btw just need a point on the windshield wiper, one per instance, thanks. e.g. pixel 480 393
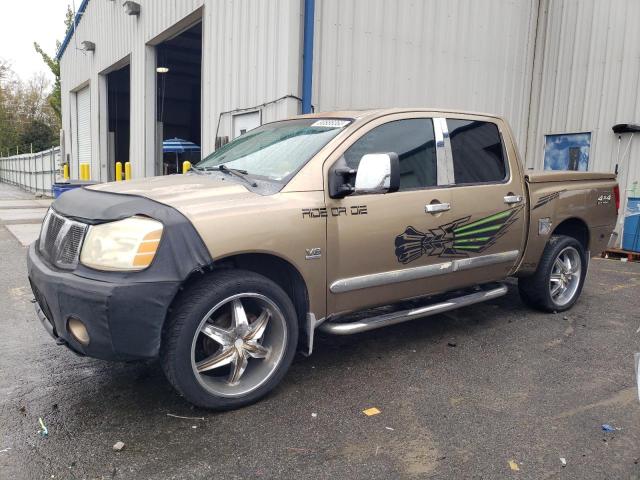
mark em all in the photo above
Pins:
pixel 236 172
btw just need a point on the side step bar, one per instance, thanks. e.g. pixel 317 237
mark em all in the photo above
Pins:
pixel 348 328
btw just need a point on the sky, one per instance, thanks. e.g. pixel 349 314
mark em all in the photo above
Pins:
pixel 23 22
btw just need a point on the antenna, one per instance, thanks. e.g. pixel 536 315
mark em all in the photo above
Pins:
pixel 75 21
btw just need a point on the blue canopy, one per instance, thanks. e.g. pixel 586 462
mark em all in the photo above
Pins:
pixel 178 145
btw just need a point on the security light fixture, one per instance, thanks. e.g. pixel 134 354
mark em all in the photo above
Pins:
pixel 131 8
pixel 162 69
pixel 88 46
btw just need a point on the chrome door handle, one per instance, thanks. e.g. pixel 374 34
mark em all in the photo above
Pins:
pixel 512 199
pixel 437 207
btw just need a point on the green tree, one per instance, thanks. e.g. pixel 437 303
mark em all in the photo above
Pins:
pixel 37 136
pixel 8 127
pixel 55 99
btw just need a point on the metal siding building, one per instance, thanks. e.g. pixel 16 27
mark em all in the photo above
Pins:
pixel 547 66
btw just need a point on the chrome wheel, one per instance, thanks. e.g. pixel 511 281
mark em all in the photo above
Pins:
pixel 566 274
pixel 238 345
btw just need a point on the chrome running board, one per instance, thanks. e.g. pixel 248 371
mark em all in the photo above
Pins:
pixel 363 325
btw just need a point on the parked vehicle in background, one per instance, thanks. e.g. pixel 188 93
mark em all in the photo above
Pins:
pixel 305 224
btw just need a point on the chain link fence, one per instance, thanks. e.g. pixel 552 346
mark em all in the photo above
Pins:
pixel 34 172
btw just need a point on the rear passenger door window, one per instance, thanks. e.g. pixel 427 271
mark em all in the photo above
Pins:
pixel 478 155
pixel 414 142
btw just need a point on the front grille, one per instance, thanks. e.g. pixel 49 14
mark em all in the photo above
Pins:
pixel 60 240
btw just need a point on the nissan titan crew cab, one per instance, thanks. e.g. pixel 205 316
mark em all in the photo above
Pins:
pixel 310 224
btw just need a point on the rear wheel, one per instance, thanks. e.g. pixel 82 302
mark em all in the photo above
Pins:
pixel 229 340
pixel 558 281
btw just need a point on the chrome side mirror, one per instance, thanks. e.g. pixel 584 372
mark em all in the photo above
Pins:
pixel 378 173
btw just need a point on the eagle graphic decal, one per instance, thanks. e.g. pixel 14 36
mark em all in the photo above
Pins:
pixel 456 239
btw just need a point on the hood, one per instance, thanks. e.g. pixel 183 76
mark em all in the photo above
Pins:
pixel 181 191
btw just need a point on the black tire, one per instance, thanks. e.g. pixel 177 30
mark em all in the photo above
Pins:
pixel 186 317
pixel 534 290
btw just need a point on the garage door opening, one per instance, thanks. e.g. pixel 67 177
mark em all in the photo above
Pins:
pixel 118 95
pixel 178 67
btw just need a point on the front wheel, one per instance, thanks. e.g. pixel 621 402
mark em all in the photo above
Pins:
pixel 229 339
pixel 558 281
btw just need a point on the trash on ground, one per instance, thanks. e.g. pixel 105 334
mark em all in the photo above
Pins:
pixel 371 411
pixel 43 428
pixel 563 461
pixel 452 344
pixel 5 450
pixel 314 414
pixel 514 466
pixel 118 446
pixel 389 428
pixel 185 418
pixel 194 426
pixel 608 428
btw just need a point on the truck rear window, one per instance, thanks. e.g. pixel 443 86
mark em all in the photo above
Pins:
pixel 478 156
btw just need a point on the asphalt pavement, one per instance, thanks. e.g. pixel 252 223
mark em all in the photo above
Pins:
pixel 491 391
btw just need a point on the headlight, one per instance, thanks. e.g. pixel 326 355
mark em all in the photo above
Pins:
pixel 128 244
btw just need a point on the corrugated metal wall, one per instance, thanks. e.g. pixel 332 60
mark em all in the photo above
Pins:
pixel 587 78
pixel 251 57
pixel 467 54
pixel 116 36
pixel 548 66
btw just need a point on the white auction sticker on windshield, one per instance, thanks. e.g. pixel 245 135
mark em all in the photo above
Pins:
pixel 330 123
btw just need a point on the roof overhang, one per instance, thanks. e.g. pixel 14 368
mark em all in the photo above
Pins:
pixel 70 32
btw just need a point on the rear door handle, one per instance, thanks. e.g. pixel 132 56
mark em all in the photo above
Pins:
pixel 512 199
pixel 437 207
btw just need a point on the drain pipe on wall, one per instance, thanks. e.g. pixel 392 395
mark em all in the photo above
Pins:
pixel 307 55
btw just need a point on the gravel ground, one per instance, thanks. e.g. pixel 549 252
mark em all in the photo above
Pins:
pixel 461 395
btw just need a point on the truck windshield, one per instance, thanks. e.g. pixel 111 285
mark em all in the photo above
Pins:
pixel 276 150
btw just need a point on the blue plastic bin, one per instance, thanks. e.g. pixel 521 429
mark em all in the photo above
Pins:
pixel 59 188
pixel 631 231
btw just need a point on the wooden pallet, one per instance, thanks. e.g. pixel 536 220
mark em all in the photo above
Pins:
pixel 619 253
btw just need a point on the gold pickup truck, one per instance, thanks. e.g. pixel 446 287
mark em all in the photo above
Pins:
pixel 310 224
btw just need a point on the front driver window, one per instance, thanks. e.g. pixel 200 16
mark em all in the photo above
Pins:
pixel 414 142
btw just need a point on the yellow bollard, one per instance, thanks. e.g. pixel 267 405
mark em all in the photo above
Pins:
pixel 127 171
pixel 83 167
pixel 118 171
pixel 65 171
pixel 87 171
pixel 186 166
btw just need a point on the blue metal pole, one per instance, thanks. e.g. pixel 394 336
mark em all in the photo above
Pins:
pixel 307 55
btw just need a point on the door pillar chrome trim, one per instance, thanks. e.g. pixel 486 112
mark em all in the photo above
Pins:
pixel 405 275
pixel 441 155
pixel 443 151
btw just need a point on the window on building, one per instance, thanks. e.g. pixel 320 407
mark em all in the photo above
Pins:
pixel 567 151
pixel 478 156
pixel 414 142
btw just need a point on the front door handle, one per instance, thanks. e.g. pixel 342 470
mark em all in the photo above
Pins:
pixel 512 199
pixel 437 207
